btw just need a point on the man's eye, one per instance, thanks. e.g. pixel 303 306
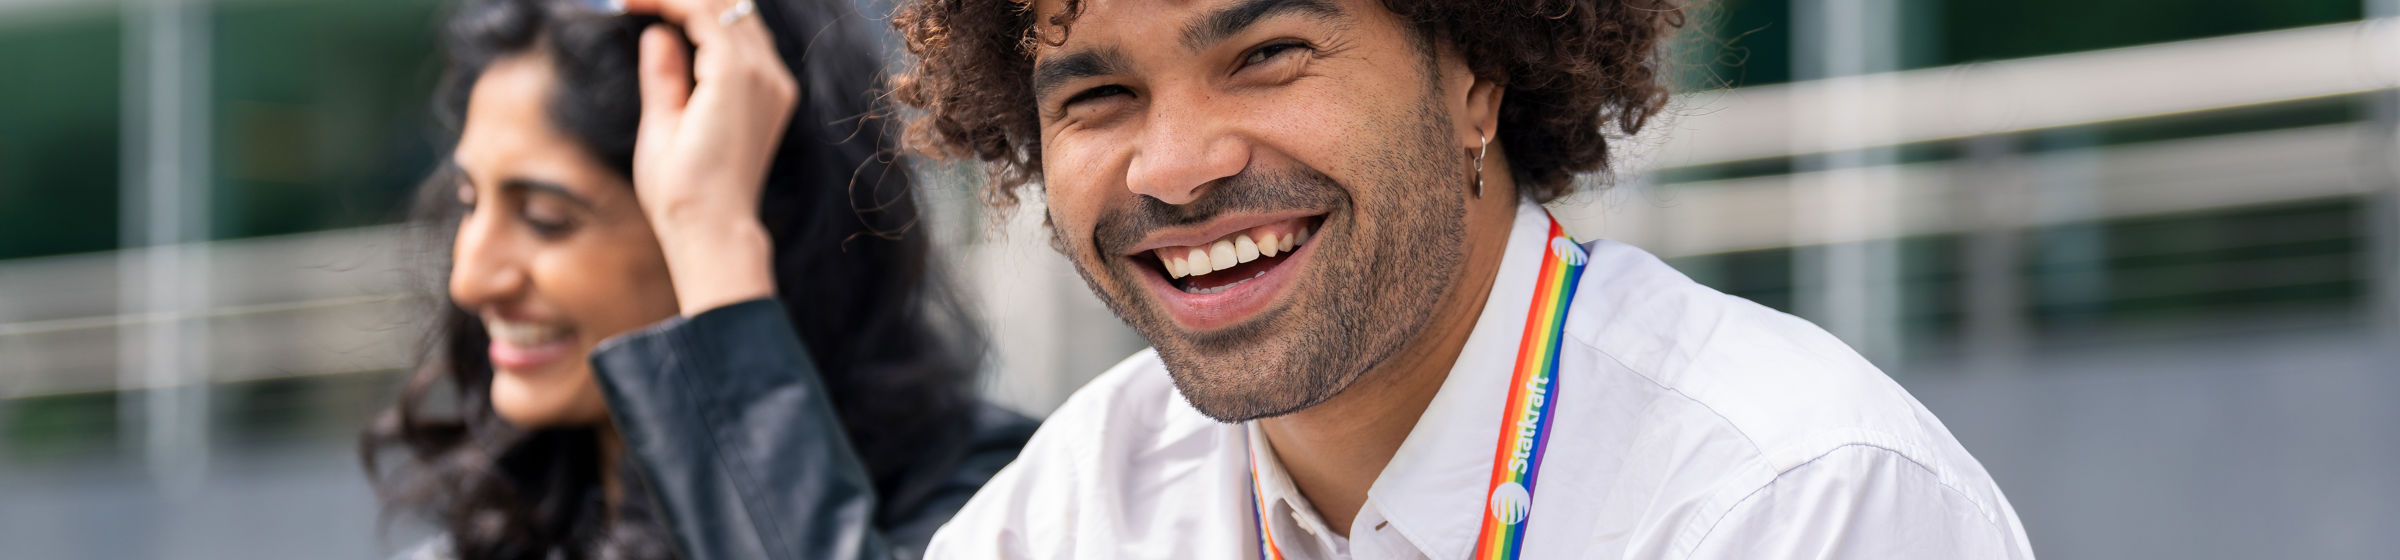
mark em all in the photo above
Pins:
pixel 1269 52
pixel 1096 93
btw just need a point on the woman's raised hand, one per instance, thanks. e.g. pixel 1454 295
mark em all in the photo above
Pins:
pixel 706 143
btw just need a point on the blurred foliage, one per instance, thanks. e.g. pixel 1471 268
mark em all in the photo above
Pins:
pixel 264 411
pixel 73 425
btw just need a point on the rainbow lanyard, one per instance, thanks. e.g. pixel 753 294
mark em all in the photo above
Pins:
pixel 1525 420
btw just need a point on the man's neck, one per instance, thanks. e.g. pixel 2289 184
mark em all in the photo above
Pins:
pixel 1334 450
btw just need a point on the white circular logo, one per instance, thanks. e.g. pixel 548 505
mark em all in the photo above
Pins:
pixel 1567 250
pixel 1511 503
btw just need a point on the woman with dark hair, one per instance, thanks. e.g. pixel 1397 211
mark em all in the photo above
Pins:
pixel 626 201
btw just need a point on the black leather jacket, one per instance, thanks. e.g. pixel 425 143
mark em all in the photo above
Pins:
pixel 727 421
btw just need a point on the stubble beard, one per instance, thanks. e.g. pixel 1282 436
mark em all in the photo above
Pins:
pixel 1369 292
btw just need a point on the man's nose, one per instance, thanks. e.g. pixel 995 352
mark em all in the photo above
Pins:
pixel 1184 147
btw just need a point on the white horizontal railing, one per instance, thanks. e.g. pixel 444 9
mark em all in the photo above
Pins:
pixel 2073 89
pixel 2041 189
pixel 320 302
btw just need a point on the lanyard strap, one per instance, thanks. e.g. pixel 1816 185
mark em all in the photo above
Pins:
pixel 1525 416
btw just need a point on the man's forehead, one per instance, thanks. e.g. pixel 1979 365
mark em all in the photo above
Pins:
pixel 1169 17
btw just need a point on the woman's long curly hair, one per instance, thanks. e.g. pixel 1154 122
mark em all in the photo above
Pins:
pixel 1576 72
pixel 896 348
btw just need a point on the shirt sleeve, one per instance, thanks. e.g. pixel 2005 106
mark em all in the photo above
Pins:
pixel 1862 501
pixel 1015 515
pixel 991 526
pixel 690 396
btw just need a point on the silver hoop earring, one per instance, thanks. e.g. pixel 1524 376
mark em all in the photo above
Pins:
pixel 1487 147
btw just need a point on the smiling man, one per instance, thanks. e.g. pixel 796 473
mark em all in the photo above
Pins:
pixel 1371 340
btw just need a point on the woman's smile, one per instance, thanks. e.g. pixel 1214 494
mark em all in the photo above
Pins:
pixel 524 347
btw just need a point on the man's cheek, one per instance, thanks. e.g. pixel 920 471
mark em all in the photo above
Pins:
pixel 1075 239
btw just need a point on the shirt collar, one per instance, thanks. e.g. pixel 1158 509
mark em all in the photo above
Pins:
pixel 1433 490
pixel 1280 500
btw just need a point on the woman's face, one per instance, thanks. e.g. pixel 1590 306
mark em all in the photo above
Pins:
pixel 554 254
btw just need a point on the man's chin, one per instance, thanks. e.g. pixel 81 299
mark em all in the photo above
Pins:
pixel 1243 390
pixel 1239 406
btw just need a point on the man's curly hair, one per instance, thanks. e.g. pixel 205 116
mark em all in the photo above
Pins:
pixel 1572 69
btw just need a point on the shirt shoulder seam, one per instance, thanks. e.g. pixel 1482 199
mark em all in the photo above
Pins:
pixel 1983 511
pixel 1755 448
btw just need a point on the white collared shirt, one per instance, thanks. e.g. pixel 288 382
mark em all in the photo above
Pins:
pixel 1689 424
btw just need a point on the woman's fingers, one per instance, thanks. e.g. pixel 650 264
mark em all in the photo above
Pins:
pixel 712 113
pixel 746 46
pixel 665 84
pixel 711 120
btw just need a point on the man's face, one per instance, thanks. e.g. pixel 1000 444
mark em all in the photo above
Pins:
pixel 1269 190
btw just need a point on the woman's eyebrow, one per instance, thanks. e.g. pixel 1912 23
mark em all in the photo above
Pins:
pixel 537 185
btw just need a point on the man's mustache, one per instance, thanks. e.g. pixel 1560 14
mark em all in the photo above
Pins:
pixel 1249 192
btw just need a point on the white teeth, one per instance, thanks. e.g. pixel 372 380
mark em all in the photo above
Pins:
pixel 1225 253
pixel 1174 265
pixel 521 334
pixel 1221 255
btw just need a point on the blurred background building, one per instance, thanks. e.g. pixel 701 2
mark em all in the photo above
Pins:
pixel 2142 256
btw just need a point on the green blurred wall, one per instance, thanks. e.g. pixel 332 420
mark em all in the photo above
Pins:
pixel 318 111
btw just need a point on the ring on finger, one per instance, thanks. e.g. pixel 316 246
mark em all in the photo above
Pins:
pixel 739 10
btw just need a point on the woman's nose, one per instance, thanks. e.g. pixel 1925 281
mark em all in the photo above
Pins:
pixel 486 264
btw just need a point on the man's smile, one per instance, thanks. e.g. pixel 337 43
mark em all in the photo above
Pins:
pixel 1212 277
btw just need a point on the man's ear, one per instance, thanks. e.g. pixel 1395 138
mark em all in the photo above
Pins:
pixel 1474 100
pixel 1480 121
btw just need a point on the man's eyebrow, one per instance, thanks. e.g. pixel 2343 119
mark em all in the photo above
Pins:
pixel 1231 20
pixel 1054 72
